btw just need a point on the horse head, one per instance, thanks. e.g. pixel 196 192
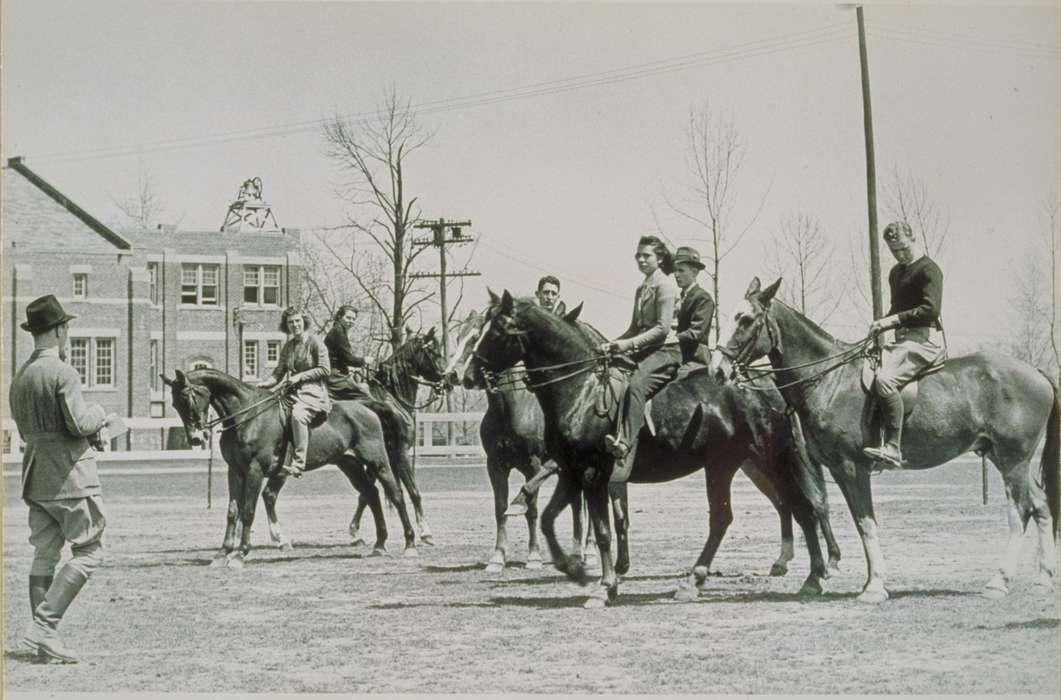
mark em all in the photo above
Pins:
pixel 425 356
pixel 464 351
pixel 498 344
pixel 753 333
pixel 192 402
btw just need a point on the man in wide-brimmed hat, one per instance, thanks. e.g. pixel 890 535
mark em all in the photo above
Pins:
pixel 694 309
pixel 59 480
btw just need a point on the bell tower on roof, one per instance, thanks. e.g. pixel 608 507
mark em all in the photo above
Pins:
pixel 249 212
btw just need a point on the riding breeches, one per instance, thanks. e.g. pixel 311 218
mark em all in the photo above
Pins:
pixel 79 521
pixel 900 363
pixel 301 417
pixel 651 375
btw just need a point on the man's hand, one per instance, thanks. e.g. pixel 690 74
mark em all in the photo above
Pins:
pixel 609 347
pixel 883 324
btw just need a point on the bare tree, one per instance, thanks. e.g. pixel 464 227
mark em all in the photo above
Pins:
pixel 1031 310
pixel 1053 234
pixel 371 156
pixel 907 198
pixel 802 256
pixel 715 156
pixel 143 206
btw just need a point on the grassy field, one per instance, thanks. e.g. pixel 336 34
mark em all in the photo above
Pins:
pixel 326 618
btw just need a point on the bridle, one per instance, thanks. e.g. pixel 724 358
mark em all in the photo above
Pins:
pixel 207 426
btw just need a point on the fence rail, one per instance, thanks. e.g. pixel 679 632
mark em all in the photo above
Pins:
pixel 435 438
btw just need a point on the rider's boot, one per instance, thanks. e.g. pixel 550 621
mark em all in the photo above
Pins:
pixel 891 406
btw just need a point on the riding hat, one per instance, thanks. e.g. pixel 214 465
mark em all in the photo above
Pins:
pixel 43 313
pixel 689 256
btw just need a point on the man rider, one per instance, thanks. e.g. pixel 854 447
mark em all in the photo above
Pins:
pixel 916 284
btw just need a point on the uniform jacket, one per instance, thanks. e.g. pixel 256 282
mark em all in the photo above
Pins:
pixel 695 311
pixel 55 422
pixel 340 354
pixel 306 362
pixel 650 325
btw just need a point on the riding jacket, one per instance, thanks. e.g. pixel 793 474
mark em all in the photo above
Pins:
pixel 306 362
pixel 340 354
pixel 696 308
pixel 650 326
pixel 916 297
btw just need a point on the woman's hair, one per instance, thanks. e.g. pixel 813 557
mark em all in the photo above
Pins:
pixel 663 254
pixel 288 313
pixel 342 311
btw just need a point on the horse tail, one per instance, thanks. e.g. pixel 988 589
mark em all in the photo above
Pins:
pixel 1050 466
pixel 808 474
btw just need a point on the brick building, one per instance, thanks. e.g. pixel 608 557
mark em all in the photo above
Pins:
pixel 147 302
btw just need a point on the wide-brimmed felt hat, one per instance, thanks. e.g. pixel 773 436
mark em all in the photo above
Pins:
pixel 689 256
pixel 44 313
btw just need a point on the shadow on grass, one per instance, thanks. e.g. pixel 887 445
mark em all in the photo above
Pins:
pixel 933 593
pixel 1043 623
pixel 25 656
pixel 457 568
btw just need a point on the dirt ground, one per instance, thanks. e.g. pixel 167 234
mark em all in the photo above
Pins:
pixel 326 618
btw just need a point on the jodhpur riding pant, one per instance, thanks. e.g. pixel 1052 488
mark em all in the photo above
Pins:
pixel 901 361
pixel 651 374
pixel 79 521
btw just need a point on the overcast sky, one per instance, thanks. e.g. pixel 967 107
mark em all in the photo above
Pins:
pixel 564 180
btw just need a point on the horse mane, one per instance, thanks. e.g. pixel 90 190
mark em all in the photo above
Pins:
pixel 556 323
pixel 815 330
pixel 217 376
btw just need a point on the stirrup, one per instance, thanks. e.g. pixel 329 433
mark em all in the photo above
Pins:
pixel 291 470
pixel 616 446
pixel 879 455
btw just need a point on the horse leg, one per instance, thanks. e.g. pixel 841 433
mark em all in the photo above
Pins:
pixel 720 516
pixel 597 502
pixel 617 494
pixel 355 522
pixel 380 466
pixel 405 470
pixel 567 490
pixel 232 519
pixel 367 492
pixel 784 514
pixel 252 486
pixel 273 485
pixel 858 492
pixel 831 546
pixel 519 503
pixel 499 485
pixel 1020 506
pixel 534 554
pixel 807 515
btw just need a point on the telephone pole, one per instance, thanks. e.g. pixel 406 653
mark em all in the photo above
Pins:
pixel 871 171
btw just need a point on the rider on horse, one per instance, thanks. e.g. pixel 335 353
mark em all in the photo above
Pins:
pixel 695 307
pixel 341 383
pixel 647 342
pixel 916 284
pixel 302 368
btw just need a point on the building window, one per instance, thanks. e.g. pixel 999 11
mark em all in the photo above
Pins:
pixel 152 282
pixel 153 378
pixel 199 284
pixel 80 285
pixel 93 358
pixel 272 352
pixel 250 358
pixel 261 285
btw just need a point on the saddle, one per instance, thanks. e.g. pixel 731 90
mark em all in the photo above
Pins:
pixel 908 391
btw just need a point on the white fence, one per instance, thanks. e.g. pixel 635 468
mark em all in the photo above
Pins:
pixel 434 439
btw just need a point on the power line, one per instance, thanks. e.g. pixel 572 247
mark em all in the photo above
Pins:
pixel 962 40
pixel 743 51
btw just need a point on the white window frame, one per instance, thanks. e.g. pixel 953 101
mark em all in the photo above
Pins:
pixel 153 279
pixel 258 273
pixel 255 355
pixel 199 269
pixel 90 379
pixel 83 278
pixel 269 345
pixel 153 356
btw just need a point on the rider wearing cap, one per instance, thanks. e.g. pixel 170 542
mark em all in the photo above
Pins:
pixel 916 284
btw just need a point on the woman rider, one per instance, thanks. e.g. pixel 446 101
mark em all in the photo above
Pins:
pixel 657 362
pixel 303 367
pixel 341 384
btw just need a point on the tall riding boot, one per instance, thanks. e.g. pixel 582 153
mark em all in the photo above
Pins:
pixel 44 633
pixel 300 442
pixel 624 465
pixel 891 405
pixel 38 589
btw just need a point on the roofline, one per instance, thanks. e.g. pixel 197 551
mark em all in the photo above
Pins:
pixel 44 186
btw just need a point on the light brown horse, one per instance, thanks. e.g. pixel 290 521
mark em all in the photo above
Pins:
pixel 986 402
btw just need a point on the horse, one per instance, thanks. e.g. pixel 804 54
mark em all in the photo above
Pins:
pixel 393 385
pixel 698 422
pixel 985 402
pixel 513 433
pixel 253 422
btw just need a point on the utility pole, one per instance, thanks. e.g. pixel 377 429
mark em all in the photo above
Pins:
pixel 439 228
pixel 871 171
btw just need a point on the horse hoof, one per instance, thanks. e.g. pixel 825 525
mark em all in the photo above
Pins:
pixel 494 568
pixel 834 567
pixel 686 594
pixel 811 588
pixel 235 562
pixel 429 540
pixel 286 547
pixel 411 553
pixel 994 593
pixel 778 569
pixel 533 564
pixel 701 574
pixel 218 562
pixel 377 552
pixel 874 597
pixel 622 567
pixel 595 604
pixel 358 543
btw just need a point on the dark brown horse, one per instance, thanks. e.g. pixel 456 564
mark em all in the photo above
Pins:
pixel 394 386
pixel 560 360
pixel 986 402
pixel 252 423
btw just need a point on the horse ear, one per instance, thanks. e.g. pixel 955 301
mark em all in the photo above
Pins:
pixel 506 303
pixel 572 315
pixel 167 381
pixel 430 334
pixel 181 379
pixel 494 299
pixel 753 288
pixel 767 294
